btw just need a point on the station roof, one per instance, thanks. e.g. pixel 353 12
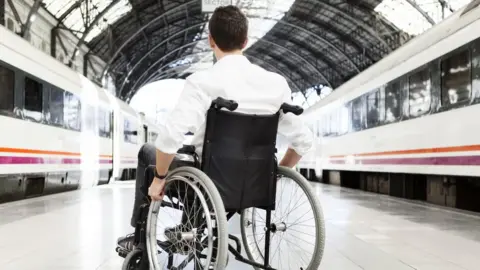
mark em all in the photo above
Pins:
pixel 313 43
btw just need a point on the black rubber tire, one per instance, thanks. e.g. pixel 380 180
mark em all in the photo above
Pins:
pixel 220 216
pixel 318 215
pixel 133 260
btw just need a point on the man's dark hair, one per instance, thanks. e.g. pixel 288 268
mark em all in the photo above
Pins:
pixel 228 27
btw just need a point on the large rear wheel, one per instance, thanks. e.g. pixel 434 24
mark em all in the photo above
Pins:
pixel 298 237
pixel 188 229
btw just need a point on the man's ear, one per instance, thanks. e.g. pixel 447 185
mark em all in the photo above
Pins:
pixel 211 41
pixel 245 43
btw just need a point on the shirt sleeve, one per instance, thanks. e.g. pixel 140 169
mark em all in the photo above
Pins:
pixel 187 115
pixel 299 136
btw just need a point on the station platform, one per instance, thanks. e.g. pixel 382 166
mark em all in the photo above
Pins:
pixel 78 230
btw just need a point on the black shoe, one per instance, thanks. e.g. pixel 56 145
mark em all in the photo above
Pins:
pixel 126 242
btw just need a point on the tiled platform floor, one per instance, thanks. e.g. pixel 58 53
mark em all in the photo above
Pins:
pixel 78 230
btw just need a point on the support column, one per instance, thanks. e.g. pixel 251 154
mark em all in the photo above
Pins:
pixel 53 41
pixel 28 22
pixel 85 65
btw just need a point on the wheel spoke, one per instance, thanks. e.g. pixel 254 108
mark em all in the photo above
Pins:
pixel 291 247
pixel 191 241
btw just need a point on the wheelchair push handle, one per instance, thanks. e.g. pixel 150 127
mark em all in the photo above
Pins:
pixel 229 104
pixel 287 108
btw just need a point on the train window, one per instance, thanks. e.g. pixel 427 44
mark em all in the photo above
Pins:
pixel 7 90
pixel 104 123
pixel 72 112
pixel 56 107
pixel 456 79
pixel 375 108
pixel 393 104
pixel 476 70
pixel 33 102
pixel 419 93
pixel 130 131
pixel 358 114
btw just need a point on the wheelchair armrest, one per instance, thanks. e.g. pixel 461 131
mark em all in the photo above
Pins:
pixel 286 108
pixel 220 103
pixel 187 149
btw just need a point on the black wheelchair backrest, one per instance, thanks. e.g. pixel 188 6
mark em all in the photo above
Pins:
pixel 239 156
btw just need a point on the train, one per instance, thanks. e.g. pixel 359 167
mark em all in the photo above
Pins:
pixel 59 130
pixel 407 126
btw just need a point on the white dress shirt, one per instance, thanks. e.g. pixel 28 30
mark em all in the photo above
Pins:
pixel 256 90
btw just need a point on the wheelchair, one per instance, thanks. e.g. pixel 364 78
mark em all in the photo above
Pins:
pixel 237 174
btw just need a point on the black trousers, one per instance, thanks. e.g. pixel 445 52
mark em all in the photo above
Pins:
pixel 146 158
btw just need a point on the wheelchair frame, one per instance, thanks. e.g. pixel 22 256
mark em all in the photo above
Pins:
pixel 140 238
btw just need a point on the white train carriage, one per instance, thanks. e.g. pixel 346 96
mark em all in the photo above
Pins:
pixel 408 126
pixel 59 131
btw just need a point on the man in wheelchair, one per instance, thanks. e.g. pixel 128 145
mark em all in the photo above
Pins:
pixel 232 83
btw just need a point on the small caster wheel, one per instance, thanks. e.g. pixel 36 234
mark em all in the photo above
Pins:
pixel 133 260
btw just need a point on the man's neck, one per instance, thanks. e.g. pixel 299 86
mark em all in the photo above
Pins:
pixel 219 54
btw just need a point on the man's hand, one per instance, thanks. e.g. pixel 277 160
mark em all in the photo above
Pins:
pixel 156 189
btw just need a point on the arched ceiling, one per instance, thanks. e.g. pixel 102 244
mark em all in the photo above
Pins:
pixel 313 43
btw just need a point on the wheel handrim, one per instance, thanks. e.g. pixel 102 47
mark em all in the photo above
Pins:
pixel 152 229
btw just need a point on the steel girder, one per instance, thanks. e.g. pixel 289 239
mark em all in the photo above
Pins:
pixel 89 28
pixel 298 26
pixel 132 37
pixel 2 12
pixel 147 73
pixel 25 26
pixel 333 57
pixel 354 62
pixel 336 38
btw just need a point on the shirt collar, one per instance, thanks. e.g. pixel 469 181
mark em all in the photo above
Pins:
pixel 233 57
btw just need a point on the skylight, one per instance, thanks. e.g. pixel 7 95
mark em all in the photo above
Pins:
pixel 433 12
pixel 79 17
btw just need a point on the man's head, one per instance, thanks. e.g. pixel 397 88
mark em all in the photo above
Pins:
pixel 228 29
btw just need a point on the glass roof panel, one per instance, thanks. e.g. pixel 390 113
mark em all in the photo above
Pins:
pixel 56 7
pixel 437 10
pixel 86 13
pixel 263 15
